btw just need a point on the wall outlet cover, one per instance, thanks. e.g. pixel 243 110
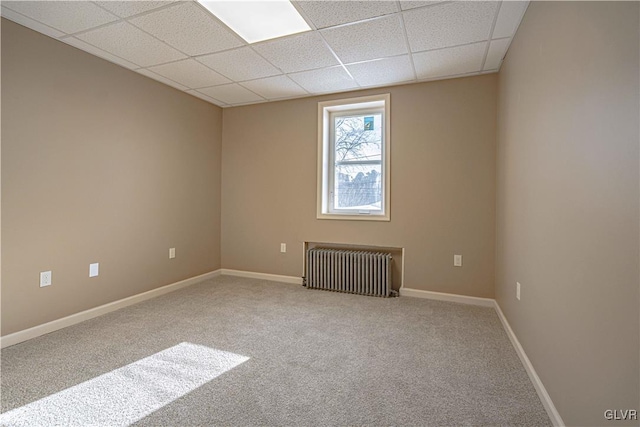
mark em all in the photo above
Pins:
pixel 45 279
pixel 457 260
pixel 93 269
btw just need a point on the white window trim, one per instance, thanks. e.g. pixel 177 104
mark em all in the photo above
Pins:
pixel 323 181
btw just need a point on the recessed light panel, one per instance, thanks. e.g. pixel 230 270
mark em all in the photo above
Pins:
pixel 256 21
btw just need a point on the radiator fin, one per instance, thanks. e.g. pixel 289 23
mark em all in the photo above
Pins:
pixel 357 272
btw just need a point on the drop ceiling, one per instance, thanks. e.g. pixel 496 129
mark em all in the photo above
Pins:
pixel 351 45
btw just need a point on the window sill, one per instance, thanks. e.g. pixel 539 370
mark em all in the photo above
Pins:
pixel 354 217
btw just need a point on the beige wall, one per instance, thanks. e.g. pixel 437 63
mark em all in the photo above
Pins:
pixel 567 202
pixel 99 164
pixel 442 185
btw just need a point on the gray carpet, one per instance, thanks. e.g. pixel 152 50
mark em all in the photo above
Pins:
pixel 291 357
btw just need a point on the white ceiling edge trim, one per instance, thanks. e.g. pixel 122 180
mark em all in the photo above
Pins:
pixel 368 88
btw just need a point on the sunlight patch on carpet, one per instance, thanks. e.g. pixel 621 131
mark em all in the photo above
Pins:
pixel 128 394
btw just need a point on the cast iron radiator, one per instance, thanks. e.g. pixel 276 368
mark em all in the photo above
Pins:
pixel 352 271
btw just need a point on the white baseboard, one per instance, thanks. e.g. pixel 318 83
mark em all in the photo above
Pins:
pixel 489 302
pixel 535 379
pixel 263 276
pixel 46 328
pixel 440 296
pixel 54 325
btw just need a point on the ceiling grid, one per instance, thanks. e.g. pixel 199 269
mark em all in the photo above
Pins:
pixel 351 45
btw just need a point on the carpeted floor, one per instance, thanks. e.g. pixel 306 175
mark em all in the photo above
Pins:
pixel 293 357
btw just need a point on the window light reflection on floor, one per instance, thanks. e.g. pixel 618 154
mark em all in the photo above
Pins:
pixel 128 394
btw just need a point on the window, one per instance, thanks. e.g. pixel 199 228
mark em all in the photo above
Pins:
pixel 353 158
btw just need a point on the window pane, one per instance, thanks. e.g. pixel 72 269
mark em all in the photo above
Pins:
pixel 358 138
pixel 353 160
pixel 358 187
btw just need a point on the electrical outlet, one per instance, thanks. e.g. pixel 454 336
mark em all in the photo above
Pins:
pixel 172 252
pixel 45 279
pixel 283 247
pixel 457 260
pixel 518 290
pixel 93 269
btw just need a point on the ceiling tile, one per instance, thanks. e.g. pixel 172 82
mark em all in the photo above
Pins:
pixel 189 28
pixel 509 17
pixel 275 87
pixel 406 5
pixel 190 73
pixel 125 9
pixel 497 50
pixel 334 79
pixel 30 23
pixel 301 52
pixel 231 94
pixel 66 16
pixel 156 39
pixel 98 52
pixel 373 39
pixel 325 14
pixel 240 64
pixel 449 24
pixel 382 71
pixel 126 41
pixel 160 78
pixel 205 97
pixel 450 61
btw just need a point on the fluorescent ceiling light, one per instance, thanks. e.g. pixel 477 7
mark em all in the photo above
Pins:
pixel 255 21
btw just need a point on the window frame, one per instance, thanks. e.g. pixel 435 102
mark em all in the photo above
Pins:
pixel 374 104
